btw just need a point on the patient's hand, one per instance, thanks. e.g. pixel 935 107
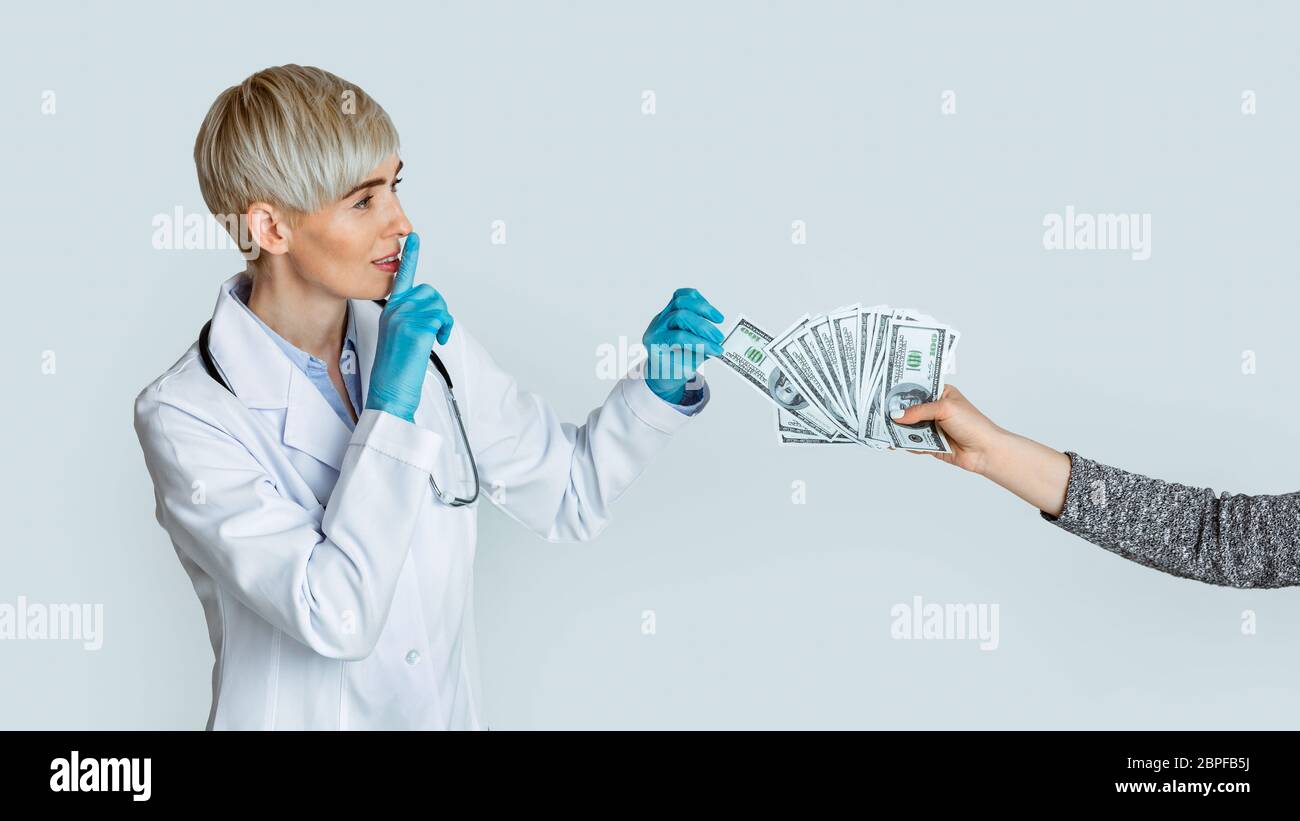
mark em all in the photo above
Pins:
pixel 1036 473
pixel 971 434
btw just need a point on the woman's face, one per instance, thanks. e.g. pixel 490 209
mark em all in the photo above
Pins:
pixel 337 247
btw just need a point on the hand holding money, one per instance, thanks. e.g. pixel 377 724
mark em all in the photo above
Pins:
pixel 678 340
pixel 974 438
pixel 835 378
pixel 1035 472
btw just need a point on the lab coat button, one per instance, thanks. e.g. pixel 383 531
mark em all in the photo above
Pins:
pixel 413 657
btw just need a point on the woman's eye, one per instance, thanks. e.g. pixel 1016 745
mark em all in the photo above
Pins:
pixel 364 203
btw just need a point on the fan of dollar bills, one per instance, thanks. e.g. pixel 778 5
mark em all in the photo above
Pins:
pixel 835 377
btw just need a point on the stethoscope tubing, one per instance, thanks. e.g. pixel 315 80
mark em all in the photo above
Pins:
pixel 449 499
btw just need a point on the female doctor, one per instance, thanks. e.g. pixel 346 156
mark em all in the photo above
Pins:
pixel 296 447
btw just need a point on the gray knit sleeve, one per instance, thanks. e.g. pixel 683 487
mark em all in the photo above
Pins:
pixel 1237 541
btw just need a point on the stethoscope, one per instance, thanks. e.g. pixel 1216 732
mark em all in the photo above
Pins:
pixel 447 497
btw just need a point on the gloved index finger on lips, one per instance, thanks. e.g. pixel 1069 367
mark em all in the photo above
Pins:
pixel 405 277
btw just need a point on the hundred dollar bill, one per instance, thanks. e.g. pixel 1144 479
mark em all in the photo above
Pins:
pixel 870 427
pixel 820 331
pixel 869 319
pixel 912 374
pixel 785 421
pixel 795 351
pixel 872 420
pixel 817 389
pixel 789 440
pixel 873 426
pixel 790 431
pixel 744 351
pixel 844 339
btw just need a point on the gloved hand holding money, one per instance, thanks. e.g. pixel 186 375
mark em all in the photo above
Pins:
pixel 835 378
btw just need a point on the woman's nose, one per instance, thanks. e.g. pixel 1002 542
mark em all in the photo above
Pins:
pixel 403 225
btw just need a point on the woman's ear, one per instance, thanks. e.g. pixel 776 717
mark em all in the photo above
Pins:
pixel 269 229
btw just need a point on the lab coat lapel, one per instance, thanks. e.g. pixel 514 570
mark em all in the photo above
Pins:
pixel 365 318
pixel 311 424
pixel 253 366
pixel 264 379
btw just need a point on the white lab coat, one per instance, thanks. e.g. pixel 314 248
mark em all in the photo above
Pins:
pixel 337 590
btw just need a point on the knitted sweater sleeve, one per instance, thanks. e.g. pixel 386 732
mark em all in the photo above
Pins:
pixel 1231 540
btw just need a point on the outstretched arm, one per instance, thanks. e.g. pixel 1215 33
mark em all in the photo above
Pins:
pixel 559 479
pixel 1233 540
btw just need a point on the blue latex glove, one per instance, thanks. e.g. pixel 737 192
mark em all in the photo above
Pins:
pixel 678 340
pixel 412 320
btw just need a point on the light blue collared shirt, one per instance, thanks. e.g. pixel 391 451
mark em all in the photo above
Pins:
pixel 316 369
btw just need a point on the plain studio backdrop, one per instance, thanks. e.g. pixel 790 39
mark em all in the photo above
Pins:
pixel 922 147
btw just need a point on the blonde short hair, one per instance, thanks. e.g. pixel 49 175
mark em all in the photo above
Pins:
pixel 297 137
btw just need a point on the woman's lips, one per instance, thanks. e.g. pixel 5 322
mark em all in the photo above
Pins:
pixel 387 267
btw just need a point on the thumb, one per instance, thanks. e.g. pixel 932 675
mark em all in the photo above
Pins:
pixel 925 412
pixel 405 276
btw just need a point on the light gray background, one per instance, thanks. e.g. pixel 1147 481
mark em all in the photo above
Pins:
pixel 769 614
